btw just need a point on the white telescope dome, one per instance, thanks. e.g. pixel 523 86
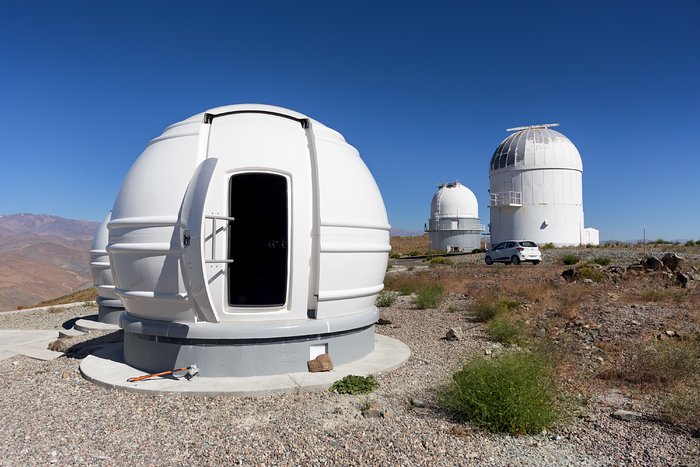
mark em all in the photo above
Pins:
pixel 536 146
pixel 246 240
pixel 454 200
pixel 454 219
pixel 109 305
pixel 536 189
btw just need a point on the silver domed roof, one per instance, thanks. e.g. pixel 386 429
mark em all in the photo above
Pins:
pixel 536 145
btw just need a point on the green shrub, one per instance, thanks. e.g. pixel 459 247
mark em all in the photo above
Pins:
pixel 386 298
pixel 440 260
pixel 354 384
pixel 663 295
pixel 548 246
pixel 593 274
pixel 429 296
pixel 413 253
pixel 514 392
pixel 487 309
pixel 683 408
pixel 602 260
pixel 506 332
pixel 394 255
pixel 570 259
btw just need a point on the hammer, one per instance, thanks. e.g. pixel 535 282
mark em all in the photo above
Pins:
pixel 191 372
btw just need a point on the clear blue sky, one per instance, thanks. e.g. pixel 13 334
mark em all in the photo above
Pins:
pixel 424 90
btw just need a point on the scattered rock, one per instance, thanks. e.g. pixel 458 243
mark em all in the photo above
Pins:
pixel 626 415
pixel 460 431
pixel 672 261
pixel 569 274
pixel 588 281
pixel 59 345
pixel 372 410
pixel 66 375
pixel 541 332
pixel 383 321
pixel 635 268
pixel 682 279
pixel 652 263
pixel 454 334
pixel 319 364
pixel 418 402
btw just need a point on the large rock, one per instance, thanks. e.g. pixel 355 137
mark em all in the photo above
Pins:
pixel 652 263
pixel 672 261
pixel 626 415
pixel 319 364
pixel 454 334
pixel 569 274
pixel 681 279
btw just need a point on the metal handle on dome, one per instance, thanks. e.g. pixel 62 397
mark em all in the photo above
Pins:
pixel 213 259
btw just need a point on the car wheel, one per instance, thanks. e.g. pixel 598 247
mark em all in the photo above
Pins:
pixel 536 262
pixel 515 260
pixel 488 260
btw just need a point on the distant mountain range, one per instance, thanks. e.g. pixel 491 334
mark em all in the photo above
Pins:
pixel 41 257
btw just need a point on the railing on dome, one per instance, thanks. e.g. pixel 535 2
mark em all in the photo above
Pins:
pixel 507 198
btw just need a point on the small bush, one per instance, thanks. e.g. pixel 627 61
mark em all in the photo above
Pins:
pixel 689 243
pixel 683 408
pixel 512 393
pixel 505 331
pixel 386 299
pixel 570 259
pixel 429 296
pixel 354 384
pixel 548 246
pixel 413 253
pixel 602 260
pixel 55 310
pixel 406 284
pixel 487 309
pixel 441 260
pixel 394 255
pixel 664 363
pixel 595 275
pixel 663 295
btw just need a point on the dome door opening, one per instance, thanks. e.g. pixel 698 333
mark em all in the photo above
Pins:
pixel 258 240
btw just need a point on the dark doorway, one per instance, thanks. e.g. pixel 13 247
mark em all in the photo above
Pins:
pixel 257 240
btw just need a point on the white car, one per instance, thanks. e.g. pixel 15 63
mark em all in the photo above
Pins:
pixel 515 252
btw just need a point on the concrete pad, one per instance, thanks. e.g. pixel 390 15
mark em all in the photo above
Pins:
pixel 29 343
pixel 88 325
pixel 106 367
pixel 70 333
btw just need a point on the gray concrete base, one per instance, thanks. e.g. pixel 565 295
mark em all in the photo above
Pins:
pixel 87 325
pixel 108 314
pixel 106 367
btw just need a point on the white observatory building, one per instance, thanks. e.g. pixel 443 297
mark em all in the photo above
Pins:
pixel 454 219
pixel 109 305
pixel 536 189
pixel 248 239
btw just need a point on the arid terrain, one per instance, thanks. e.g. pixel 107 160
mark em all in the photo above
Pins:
pixel 42 257
pixel 624 344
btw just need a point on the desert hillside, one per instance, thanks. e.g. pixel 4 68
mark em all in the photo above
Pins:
pixel 41 257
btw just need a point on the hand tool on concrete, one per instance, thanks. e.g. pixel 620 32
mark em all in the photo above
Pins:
pixel 191 372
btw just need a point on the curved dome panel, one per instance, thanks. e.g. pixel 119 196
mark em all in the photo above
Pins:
pixel 536 146
pixel 454 200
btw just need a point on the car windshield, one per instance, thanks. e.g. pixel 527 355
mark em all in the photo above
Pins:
pixel 528 244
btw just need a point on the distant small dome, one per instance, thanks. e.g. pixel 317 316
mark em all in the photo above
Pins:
pixel 536 146
pixel 454 200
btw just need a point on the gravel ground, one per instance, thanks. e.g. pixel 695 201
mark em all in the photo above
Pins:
pixel 53 416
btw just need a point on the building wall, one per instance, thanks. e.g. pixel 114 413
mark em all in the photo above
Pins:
pixel 448 240
pixel 552 206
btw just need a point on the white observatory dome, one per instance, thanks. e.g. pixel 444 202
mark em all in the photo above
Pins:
pixel 454 200
pixel 109 305
pixel 247 240
pixel 535 190
pixel 454 219
pixel 534 147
